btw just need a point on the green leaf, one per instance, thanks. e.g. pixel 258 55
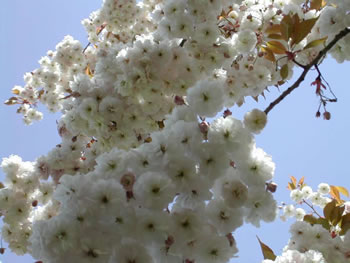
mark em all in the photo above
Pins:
pixel 267 252
pixel 284 71
pixel 316 43
pixel 323 222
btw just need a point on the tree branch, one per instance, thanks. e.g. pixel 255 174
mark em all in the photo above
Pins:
pixel 307 68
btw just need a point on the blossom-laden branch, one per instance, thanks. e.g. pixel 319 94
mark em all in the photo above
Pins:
pixel 307 68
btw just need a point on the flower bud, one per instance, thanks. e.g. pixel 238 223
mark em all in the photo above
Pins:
pixel 271 187
pixel 327 115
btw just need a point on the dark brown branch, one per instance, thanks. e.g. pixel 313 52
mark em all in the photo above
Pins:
pixel 307 68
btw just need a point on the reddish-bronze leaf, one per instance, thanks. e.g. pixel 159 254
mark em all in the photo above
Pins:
pixel 302 29
pixel 268 54
pixel 273 29
pixel 276 47
pixel 287 27
pixel 267 252
pixel 275 36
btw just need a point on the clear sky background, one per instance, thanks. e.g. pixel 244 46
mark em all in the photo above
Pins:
pixel 300 144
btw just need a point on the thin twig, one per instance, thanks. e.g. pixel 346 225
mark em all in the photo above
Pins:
pixel 312 207
pixel 307 68
pixel 98 33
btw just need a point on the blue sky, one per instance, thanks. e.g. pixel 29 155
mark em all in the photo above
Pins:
pixel 300 144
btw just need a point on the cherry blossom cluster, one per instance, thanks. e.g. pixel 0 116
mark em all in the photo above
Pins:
pixel 292 256
pixel 315 239
pixel 141 174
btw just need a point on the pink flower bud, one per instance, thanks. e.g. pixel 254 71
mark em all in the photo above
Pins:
pixel 271 187
pixel 327 115
pixel 179 100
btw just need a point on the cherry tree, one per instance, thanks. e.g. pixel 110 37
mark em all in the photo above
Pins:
pixel 153 167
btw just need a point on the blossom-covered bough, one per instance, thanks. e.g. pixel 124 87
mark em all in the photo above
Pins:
pixel 142 174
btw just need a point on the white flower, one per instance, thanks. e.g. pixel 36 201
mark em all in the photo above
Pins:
pixel 154 190
pixel 206 97
pixel 299 214
pixel 224 218
pixel 307 191
pixel 255 120
pixel 289 210
pixel 130 251
pixel 324 188
pixel 232 190
pixel 245 41
pixel 296 195
pixel 214 250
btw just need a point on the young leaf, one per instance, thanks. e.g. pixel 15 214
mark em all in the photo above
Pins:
pixel 88 71
pixel 335 194
pixel 301 181
pixel 275 36
pixel 302 29
pixel 291 186
pixel 337 215
pixel 345 224
pixel 328 209
pixel 11 101
pixel 315 43
pixel 294 180
pixel 276 47
pixel 343 190
pixel 317 4
pixel 284 71
pixel 310 219
pixel 323 222
pixel 287 27
pixel 268 54
pixel 273 29
pixel 267 252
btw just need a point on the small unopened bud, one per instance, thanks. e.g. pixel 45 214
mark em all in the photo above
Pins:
pixel 2 250
pixel 231 239
pixel 169 241
pixel 127 181
pixel 227 113
pixel 204 127
pixel 333 234
pixel 318 114
pixel 327 115
pixel 179 100
pixel 271 187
